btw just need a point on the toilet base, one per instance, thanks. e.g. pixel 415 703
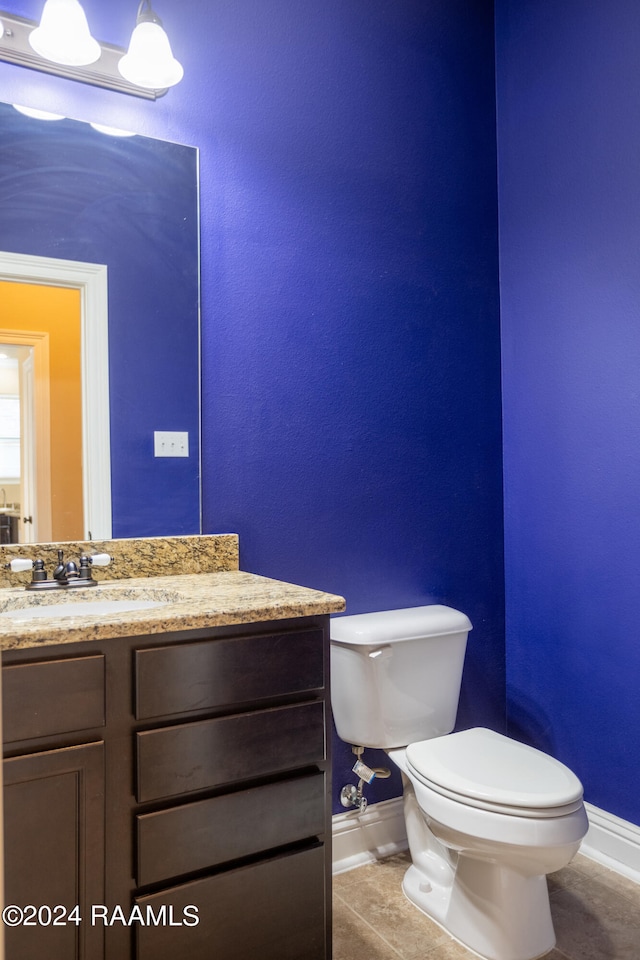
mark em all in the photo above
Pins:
pixel 490 908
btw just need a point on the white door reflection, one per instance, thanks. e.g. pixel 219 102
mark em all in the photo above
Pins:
pixel 59 483
pixel 17 442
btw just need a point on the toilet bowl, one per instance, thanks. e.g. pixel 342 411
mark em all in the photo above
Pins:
pixel 486 817
pixel 502 816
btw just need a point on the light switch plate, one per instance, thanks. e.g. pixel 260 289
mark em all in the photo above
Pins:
pixel 168 443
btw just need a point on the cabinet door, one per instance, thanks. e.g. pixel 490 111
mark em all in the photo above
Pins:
pixel 54 849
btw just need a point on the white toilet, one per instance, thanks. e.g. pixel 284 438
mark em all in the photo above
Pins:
pixel 487 817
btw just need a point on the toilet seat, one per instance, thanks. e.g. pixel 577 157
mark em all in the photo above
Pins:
pixel 484 769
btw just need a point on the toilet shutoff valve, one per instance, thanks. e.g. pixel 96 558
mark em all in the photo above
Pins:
pixel 352 796
pixel 363 772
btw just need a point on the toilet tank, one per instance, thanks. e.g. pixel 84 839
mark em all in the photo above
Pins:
pixel 395 675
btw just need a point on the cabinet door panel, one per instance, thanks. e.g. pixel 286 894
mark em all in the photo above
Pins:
pixel 51 697
pixel 198 835
pixel 54 848
pixel 210 753
pixel 215 673
pixel 273 910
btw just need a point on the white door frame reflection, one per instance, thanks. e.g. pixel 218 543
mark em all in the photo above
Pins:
pixel 90 279
pixel 32 357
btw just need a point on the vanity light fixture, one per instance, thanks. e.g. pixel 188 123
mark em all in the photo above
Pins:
pixel 64 36
pixel 149 61
pixel 61 44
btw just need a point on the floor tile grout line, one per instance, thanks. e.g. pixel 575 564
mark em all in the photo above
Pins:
pixel 372 928
pixel 631 896
pixel 344 903
pixel 586 882
pixel 579 883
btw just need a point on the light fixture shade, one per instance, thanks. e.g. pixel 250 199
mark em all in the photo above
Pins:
pixel 1 29
pixel 36 114
pixel 149 61
pixel 112 131
pixel 63 35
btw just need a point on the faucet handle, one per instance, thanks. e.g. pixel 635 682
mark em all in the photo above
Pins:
pixel 19 564
pixel 100 560
pixel 59 573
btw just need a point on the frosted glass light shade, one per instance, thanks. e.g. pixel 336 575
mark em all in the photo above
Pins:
pixel 1 29
pixel 149 61
pixel 111 131
pixel 36 114
pixel 63 35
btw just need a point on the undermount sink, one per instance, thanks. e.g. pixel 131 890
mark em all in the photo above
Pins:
pixel 82 602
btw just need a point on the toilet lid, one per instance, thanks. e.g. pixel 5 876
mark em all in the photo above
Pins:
pixel 484 766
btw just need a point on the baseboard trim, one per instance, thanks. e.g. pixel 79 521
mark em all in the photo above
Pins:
pixel 379 832
pixel 613 842
pixel 360 838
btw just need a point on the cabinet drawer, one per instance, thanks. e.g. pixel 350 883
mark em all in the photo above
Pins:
pixel 214 673
pixel 209 832
pixel 52 697
pixel 273 910
pixel 210 753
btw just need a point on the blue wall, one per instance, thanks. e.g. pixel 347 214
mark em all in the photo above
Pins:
pixel 351 384
pixel 569 142
pixel 352 421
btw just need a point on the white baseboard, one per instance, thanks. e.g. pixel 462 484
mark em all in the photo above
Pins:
pixel 613 842
pixel 379 832
pixel 360 838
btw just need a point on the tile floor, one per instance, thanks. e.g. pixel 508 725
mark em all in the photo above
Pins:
pixel 596 914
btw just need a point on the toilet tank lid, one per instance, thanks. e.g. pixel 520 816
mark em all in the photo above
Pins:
pixel 391 626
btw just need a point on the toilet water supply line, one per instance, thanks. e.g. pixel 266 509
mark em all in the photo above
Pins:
pixel 352 796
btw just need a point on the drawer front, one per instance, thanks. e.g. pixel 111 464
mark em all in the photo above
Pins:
pixel 210 753
pixel 273 910
pixel 210 832
pixel 52 697
pixel 215 673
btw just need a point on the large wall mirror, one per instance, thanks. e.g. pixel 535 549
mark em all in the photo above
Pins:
pixel 99 333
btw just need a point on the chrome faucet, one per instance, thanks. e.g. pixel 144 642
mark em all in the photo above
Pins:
pixel 4 496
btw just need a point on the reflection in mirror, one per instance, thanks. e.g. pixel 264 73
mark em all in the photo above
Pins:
pixel 98 242
pixel 13 360
pixel 65 331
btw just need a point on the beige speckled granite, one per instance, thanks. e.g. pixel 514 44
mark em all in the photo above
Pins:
pixel 140 557
pixel 190 602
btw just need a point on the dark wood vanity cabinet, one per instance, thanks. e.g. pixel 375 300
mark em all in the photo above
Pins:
pixel 180 783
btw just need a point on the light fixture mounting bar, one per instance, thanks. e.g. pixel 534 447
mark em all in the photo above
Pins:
pixel 15 48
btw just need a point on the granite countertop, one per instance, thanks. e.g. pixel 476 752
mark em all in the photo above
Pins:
pixel 193 581
pixel 187 602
